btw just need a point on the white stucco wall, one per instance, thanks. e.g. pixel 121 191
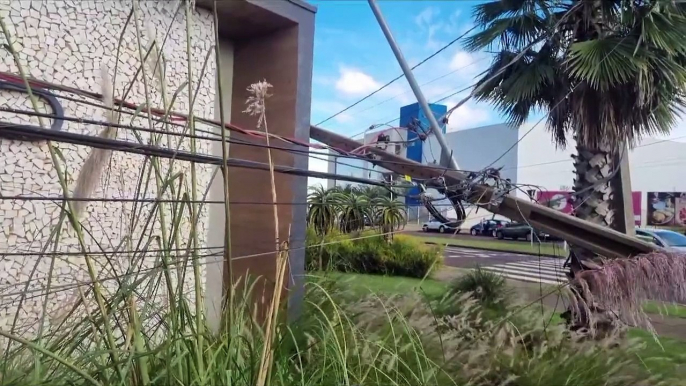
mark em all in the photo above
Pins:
pixel 67 42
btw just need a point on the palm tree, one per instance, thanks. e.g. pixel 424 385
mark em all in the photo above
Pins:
pixel 389 215
pixel 374 192
pixel 349 189
pixel 353 208
pixel 606 72
pixel 323 209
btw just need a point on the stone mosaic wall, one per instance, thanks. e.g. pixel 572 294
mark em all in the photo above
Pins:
pixel 68 42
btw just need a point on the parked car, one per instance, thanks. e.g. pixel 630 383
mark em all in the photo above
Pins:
pixel 516 230
pixel 436 226
pixel 368 222
pixel 667 239
pixel 486 227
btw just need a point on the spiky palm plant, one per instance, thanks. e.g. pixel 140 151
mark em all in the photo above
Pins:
pixel 353 208
pixel 349 189
pixel 374 192
pixel 323 209
pixel 389 215
pixel 606 72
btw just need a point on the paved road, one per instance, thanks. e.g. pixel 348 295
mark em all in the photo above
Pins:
pixel 515 266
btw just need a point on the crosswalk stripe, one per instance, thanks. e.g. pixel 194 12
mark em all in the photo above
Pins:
pixel 530 279
pixel 533 268
pixel 541 265
pixel 525 271
pixel 536 271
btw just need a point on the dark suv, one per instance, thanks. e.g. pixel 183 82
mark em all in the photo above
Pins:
pixel 516 230
pixel 487 227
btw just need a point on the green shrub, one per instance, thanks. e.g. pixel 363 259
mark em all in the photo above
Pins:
pixel 368 252
pixel 487 287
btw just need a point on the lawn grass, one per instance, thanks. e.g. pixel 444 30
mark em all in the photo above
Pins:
pixel 358 285
pixel 666 309
pixel 666 357
pixel 498 245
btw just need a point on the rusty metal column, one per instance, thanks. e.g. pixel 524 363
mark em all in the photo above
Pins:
pixel 445 149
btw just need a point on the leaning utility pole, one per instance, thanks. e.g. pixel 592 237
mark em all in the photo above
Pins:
pixel 624 200
pixel 435 127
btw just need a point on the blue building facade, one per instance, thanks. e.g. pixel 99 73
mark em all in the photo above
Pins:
pixel 415 148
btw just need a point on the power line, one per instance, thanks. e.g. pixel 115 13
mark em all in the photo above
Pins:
pixel 163 266
pixel 398 77
pixel 567 160
pixel 424 84
pixel 38 133
pixel 501 70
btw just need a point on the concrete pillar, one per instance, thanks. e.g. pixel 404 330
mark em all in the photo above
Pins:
pixel 271 40
pixel 623 200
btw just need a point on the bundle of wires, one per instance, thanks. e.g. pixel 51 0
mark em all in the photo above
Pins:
pixel 40 88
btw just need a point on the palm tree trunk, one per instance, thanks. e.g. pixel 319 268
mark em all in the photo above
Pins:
pixel 595 200
pixel 593 192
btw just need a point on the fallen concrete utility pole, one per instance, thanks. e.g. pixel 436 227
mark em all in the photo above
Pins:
pixel 435 127
pixel 601 240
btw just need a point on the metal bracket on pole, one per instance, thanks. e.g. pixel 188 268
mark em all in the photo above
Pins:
pixel 435 127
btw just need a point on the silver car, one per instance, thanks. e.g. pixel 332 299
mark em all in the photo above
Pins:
pixel 670 240
pixel 433 226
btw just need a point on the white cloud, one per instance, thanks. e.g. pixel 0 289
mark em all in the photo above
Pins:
pixel 426 16
pixel 461 59
pixel 427 21
pixel 466 116
pixel 355 82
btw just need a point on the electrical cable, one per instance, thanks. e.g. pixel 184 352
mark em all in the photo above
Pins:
pixel 58 111
pixel 398 77
pixel 9 77
pixel 424 84
pixel 172 115
pixel 14 131
pixel 163 266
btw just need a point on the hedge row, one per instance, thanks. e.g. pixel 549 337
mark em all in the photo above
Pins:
pixel 370 253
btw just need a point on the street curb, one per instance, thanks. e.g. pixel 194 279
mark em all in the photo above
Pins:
pixel 494 250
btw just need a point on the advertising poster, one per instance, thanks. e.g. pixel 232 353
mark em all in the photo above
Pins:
pixel 666 209
pixel 561 200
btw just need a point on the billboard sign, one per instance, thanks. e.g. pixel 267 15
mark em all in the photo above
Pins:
pixel 666 209
pixel 561 200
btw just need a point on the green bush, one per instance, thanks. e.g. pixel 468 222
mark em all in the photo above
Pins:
pixel 368 252
pixel 487 287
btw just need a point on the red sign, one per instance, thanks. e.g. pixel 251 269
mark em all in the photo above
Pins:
pixel 562 201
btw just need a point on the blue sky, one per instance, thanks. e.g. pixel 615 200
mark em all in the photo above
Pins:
pixel 352 58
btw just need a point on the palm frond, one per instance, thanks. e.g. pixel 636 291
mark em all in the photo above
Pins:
pixel 608 72
pixel 605 62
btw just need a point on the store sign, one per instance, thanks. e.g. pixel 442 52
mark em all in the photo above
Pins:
pixel 562 201
pixel 666 209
